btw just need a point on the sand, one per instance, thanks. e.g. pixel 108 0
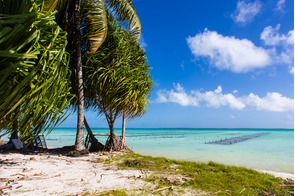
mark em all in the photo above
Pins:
pixel 43 174
pixel 61 175
pixel 279 174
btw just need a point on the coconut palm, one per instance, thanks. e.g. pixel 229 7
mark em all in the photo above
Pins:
pixel 86 23
pixel 34 88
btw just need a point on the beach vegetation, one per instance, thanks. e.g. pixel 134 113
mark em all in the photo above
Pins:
pixel 34 71
pixel 118 80
pixel 86 24
pixel 211 177
pixel 42 43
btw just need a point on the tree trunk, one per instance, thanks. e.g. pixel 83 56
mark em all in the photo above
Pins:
pixel 79 144
pixel 95 144
pixel 112 143
pixel 123 140
pixel 14 133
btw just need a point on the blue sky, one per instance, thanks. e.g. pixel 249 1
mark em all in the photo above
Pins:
pixel 216 64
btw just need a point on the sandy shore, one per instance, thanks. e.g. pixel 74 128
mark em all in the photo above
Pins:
pixel 42 174
pixel 279 174
pixel 61 175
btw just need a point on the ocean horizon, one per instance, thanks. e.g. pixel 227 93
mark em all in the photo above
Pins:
pixel 273 151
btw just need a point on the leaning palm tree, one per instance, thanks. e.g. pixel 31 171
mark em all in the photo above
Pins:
pixel 34 88
pixel 114 86
pixel 86 23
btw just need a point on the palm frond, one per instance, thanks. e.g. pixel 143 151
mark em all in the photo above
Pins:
pixel 125 12
pixel 34 74
pixel 94 25
pixel 50 5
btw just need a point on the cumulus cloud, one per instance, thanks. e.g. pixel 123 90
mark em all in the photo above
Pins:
pixel 271 36
pixel 246 11
pixel 242 55
pixel 217 99
pixel 281 44
pixel 178 96
pixel 273 101
pixel 237 55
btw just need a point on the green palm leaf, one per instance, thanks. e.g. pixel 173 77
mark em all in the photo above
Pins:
pixel 50 5
pixel 125 12
pixel 94 24
pixel 34 70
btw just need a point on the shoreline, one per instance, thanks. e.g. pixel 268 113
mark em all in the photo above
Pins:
pixel 282 175
pixel 53 173
pixel 273 152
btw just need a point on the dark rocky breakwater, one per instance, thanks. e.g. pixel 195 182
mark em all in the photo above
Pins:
pixel 233 140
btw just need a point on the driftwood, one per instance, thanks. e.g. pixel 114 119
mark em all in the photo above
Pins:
pixel 162 189
pixel 5 187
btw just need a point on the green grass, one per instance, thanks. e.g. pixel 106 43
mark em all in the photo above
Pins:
pixel 217 179
pixel 108 193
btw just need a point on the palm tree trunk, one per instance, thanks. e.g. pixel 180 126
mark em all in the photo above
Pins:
pixel 14 133
pixel 79 144
pixel 112 143
pixel 123 141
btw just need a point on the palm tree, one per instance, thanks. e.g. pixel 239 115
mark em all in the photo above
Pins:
pixel 90 18
pixel 113 87
pixel 140 84
pixel 34 72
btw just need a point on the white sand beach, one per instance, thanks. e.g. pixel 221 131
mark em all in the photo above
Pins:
pixel 279 174
pixel 60 175
pixel 43 174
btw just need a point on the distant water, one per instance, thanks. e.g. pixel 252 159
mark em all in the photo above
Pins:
pixel 273 151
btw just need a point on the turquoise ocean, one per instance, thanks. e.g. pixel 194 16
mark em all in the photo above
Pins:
pixel 273 151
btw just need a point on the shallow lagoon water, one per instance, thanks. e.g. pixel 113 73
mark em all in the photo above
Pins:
pixel 273 151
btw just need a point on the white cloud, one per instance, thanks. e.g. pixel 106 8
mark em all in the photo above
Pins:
pixel 178 96
pixel 282 45
pixel 246 11
pixel 242 55
pixel 273 101
pixel 280 6
pixel 271 36
pixel 237 55
pixel 217 99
